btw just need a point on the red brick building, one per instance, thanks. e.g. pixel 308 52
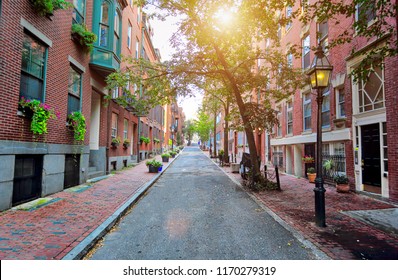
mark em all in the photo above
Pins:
pixel 41 60
pixel 358 118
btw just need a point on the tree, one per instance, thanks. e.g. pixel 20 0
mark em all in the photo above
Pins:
pixel 189 130
pixel 209 46
pixel 203 126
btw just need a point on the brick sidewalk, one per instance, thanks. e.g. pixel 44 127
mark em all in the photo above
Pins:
pixel 50 232
pixel 344 237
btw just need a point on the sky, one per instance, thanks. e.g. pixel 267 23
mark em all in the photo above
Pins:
pixel 163 30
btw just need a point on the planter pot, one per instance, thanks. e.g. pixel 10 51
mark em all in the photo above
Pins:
pixel 311 177
pixel 125 146
pixel 235 167
pixel 114 145
pixel 342 188
pixel 173 156
pixel 160 168
pixel 153 169
pixel 165 159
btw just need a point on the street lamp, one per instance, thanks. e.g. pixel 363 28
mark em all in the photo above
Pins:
pixel 319 74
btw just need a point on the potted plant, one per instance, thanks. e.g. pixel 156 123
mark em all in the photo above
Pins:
pixel 156 140
pixel 165 157
pixel 342 181
pixel 145 140
pixel 77 122
pixel 126 143
pixel 308 159
pixel 83 36
pixel 40 113
pixel 115 142
pixel 311 174
pixel 153 165
pixel 328 165
pixel 173 154
pixel 47 7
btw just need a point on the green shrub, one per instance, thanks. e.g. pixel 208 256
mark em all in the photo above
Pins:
pixel 311 170
pixel 341 179
pixel 85 37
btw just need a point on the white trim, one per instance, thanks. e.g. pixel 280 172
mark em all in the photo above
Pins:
pixel 330 136
pixel 36 32
pixel 95 84
pixel 76 64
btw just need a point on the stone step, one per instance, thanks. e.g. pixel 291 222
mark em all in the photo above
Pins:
pixel 95 174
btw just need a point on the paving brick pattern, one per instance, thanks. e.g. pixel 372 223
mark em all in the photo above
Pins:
pixel 344 237
pixel 50 232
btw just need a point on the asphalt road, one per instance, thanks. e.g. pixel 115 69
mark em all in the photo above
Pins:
pixel 194 211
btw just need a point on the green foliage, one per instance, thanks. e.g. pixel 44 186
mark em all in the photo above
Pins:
pixel 328 164
pixel 116 140
pixel 173 153
pixel 165 155
pixel 311 170
pixel 341 179
pixel 221 152
pixel 203 125
pixel 41 114
pixel 189 130
pixel 156 140
pixel 381 27
pixel 145 140
pixel 47 7
pixel 78 123
pixel 154 163
pixel 85 37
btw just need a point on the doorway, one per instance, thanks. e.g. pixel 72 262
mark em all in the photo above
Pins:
pixel 27 178
pixel 72 171
pixel 371 169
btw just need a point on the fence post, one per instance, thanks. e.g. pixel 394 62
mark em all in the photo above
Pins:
pixel 265 172
pixel 277 177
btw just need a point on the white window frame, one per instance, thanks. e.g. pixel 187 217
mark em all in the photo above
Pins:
pixel 339 103
pixel 129 32
pixel 289 109
pixel 307 100
pixel 125 129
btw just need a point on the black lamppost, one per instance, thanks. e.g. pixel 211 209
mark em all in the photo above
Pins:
pixel 319 74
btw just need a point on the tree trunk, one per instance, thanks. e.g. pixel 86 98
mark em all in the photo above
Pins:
pixel 226 132
pixel 215 134
pixel 241 106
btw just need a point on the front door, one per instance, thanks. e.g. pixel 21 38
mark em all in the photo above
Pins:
pixel 371 173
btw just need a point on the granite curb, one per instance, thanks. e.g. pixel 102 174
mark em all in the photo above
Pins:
pixel 89 242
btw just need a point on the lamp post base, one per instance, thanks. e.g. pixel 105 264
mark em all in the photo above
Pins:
pixel 319 190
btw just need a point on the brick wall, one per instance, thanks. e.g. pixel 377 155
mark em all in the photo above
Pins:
pixel 57 29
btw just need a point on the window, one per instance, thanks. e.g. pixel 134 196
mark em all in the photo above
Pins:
pixel 129 29
pixel 304 6
pixel 323 31
pixel 125 129
pixel 78 11
pixel 104 25
pixel 306 52
pixel 326 108
pixel 33 69
pixel 279 118
pixel 278 156
pixel 340 101
pixel 115 93
pixel 116 32
pixel 365 13
pixel 138 15
pixel 385 149
pixel 307 111
pixel 114 125
pixel 371 91
pixel 289 117
pixel 288 17
pixel 74 90
pixel 137 48
pixel 290 60
pixel 218 118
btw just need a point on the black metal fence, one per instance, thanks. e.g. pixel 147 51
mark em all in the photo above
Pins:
pixel 338 166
